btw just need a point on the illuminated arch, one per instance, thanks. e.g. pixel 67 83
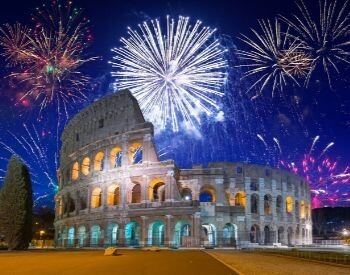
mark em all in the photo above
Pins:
pixel 182 231
pixel 95 235
pixel 96 198
pixel 81 235
pixel 156 191
pixel 98 164
pixel 136 193
pixel 135 153
pixel 115 157
pixel 207 194
pixel 186 194
pixel 156 233
pixel 71 236
pixel 267 204
pixel 289 205
pixel 113 194
pixel 75 171
pixel 85 166
pixel 240 199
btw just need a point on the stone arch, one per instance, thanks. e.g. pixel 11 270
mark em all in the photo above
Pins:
pixel 132 233
pixel 75 171
pixel 70 203
pixel 279 202
pixel 240 198
pixel 209 234
pixel 267 204
pixel 289 205
pixel 280 234
pixel 254 233
pixel 186 194
pixel 229 234
pixel 115 157
pixel 290 236
pixel 156 190
pixel 113 195
pixel 135 153
pixel 207 194
pixel 95 235
pixel 96 198
pixel 71 236
pixel 268 235
pixel 81 236
pixel 112 234
pixel 136 193
pixel 85 166
pixel 156 233
pixel 182 231
pixel 99 162
pixel 254 203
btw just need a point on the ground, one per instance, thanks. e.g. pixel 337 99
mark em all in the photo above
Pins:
pixel 211 262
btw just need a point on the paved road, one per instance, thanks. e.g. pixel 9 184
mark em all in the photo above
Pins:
pixel 129 262
pixel 255 263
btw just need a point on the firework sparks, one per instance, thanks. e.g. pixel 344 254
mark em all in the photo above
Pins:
pixel 324 36
pixel 175 73
pixel 273 57
pixel 46 59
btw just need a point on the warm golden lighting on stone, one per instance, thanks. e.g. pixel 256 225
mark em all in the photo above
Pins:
pixel 85 166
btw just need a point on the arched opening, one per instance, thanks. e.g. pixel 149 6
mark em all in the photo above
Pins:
pixel 99 161
pixel 186 194
pixel 95 235
pixel 132 234
pixel 81 236
pixel 112 234
pixel 113 195
pixel 279 202
pixel 302 209
pixel 207 194
pixel 70 204
pixel 71 237
pixel 115 157
pixel 75 171
pixel 255 234
pixel 135 153
pixel 290 236
pixel 182 234
pixel 209 234
pixel 156 233
pixel 229 235
pixel 254 185
pixel 96 198
pixel 156 190
pixel 240 198
pixel 85 166
pixel 280 235
pixel 267 205
pixel 267 235
pixel 254 204
pixel 289 205
pixel 136 193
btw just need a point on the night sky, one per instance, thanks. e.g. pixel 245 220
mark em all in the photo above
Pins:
pixel 294 119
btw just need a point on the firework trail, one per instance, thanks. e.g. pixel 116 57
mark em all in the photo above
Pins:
pixel 176 72
pixel 273 57
pixel 46 58
pixel 325 36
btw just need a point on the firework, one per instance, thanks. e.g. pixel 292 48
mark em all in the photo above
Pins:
pixel 46 59
pixel 325 36
pixel 176 73
pixel 273 57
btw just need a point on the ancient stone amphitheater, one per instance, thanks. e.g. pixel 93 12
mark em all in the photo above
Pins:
pixel 114 191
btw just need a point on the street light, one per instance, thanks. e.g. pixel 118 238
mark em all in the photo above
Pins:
pixel 345 232
pixel 42 232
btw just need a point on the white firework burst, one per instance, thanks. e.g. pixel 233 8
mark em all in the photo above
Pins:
pixel 176 73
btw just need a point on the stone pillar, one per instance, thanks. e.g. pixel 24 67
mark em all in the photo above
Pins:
pixel 144 231
pixel 121 235
pixel 169 229
pixel 197 229
pixel 125 150
pixel 144 189
pixel 146 147
pixel 261 184
pixel 220 194
pixel 169 182
pixel 248 213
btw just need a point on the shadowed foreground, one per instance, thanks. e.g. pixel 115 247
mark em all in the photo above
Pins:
pixel 93 262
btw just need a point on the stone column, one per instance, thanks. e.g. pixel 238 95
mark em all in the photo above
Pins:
pixel 144 231
pixel 220 195
pixel 197 229
pixel 121 235
pixel 125 150
pixel 248 213
pixel 144 189
pixel 169 230
pixel 169 181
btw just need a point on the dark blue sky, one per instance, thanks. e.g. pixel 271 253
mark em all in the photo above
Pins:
pixel 317 110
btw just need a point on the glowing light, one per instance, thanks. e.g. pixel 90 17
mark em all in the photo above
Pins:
pixel 175 72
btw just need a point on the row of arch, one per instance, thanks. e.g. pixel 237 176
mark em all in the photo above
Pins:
pixel 115 157
pixel 131 235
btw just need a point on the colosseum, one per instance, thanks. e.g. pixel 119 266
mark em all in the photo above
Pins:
pixel 114 191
